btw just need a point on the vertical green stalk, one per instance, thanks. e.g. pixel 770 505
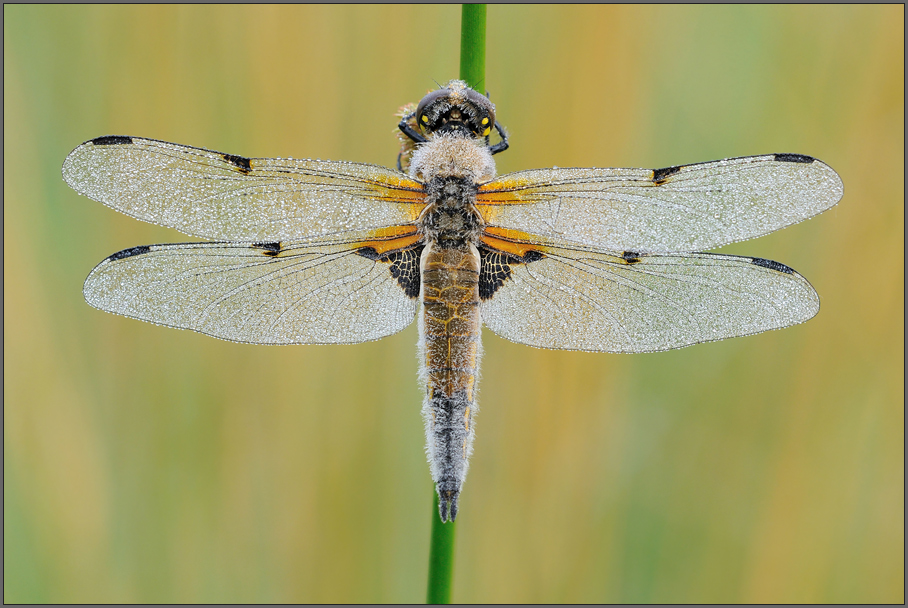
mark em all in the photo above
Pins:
pixel 473 46
pixel 441 559
pixel 473 71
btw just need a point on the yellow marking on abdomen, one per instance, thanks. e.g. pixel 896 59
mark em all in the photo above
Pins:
pixel 451 321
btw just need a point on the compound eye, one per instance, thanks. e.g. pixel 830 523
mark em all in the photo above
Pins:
pixel 481 102
pixel 426 104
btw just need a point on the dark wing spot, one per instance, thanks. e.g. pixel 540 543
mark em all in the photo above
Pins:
pixel 404 266
pixel 368 252
pixel 272 249
pixel 128 253
pixel 495 269
pixel 794 158
pixel 661 175
pixel 111 140
pixel 240 162
pixel 771 265
pixel 631 257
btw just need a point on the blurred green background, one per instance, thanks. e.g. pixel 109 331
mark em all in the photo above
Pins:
pixel 145 464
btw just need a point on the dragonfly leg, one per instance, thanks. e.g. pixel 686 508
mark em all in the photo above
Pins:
pixel 503 144
pixel 409 131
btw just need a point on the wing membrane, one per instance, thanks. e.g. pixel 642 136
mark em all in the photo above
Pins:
pixel 579 299
pixel 316 292
pixel 685 208
pixel 220 196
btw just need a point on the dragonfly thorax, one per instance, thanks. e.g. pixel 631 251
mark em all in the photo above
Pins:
pixel 452 168
pixel 452 155
pixel 451 218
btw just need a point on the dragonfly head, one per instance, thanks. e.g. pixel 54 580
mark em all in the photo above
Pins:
pixel 457 109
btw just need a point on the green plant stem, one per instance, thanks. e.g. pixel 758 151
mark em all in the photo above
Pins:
pixel 473 71
pixel 441 559
pixel 473 45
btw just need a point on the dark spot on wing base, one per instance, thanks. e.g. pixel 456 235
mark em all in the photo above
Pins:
pixel 240 162
pixel 794 158
pixel 368 252
pixel 404 266
pixel 128 253
pixel 111 140
pixel 771 265
pixel 272 249
pixel 660 176
pixel 495 269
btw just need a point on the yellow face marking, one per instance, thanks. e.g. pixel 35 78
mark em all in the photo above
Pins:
pixel 487 131
pixel 425 119
pixel 485 121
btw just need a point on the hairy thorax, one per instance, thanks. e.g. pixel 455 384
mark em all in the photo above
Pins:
pixel 450 155
pixel 452 167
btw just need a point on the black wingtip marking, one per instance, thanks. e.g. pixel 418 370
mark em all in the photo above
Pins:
pixel 128 253
pixel 794 158
pixel 111 140
pixel 272 249
pixel 771 265
pixel 661 175
pixel 631 257
pixel 240 162
pixel 532 256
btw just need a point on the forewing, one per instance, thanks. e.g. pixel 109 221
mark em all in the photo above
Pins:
pixel 684 208
pixel 580 299
pixel 316 292
pixel 221 196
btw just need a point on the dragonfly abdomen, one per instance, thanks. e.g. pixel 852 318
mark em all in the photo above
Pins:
pixel 450 330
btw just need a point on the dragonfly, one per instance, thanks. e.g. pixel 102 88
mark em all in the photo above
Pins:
pixel 335 252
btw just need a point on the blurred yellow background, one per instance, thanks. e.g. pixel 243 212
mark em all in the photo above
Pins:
pixel 145 464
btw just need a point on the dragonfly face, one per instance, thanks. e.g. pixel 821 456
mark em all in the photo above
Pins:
pixel 456 108
pixel 322 252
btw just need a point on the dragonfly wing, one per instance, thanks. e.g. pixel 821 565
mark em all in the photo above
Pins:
pixel 580 299
pixel 316 292
pixel 684 208
pixel 221 196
